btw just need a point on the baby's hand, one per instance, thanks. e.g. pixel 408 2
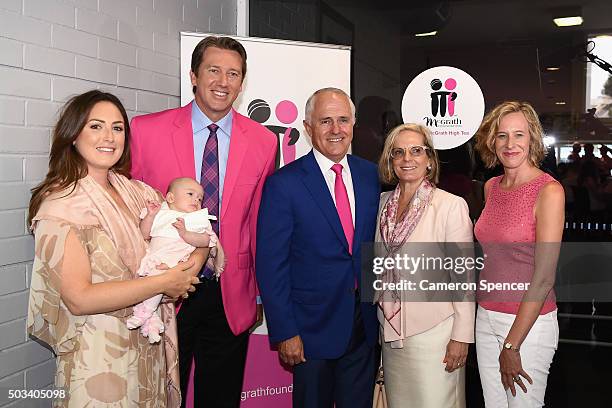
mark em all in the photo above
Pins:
pixel 153 207
pixel 179 224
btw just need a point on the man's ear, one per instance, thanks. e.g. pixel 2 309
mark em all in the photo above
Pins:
pixel 308 128
pixel 193 78
pixel 170 197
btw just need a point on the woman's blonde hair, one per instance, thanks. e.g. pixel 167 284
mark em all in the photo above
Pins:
pixel 485 137
pixel 385 167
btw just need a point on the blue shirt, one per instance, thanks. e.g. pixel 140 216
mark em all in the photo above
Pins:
pixel 199 124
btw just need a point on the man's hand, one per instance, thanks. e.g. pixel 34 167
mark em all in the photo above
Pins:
pixel 259 320
pixel 291 351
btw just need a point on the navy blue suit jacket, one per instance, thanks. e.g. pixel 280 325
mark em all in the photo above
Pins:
pixel 305 272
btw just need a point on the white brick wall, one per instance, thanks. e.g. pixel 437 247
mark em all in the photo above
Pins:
pixel 51 50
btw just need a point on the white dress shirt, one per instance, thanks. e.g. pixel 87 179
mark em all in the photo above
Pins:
pixel 330 178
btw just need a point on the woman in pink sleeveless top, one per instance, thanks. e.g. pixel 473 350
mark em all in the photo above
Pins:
pixel 516 327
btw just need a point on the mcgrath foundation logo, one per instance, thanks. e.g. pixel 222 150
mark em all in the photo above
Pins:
pixel 286 112
pixel 448 101
pixel 441 100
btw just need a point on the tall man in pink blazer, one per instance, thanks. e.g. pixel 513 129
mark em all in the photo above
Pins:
pixel 231 156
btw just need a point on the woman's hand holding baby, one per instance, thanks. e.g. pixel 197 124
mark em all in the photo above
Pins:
pixel 178 280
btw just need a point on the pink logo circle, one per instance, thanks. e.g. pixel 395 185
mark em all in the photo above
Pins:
pixel 286 112
pixel 450 84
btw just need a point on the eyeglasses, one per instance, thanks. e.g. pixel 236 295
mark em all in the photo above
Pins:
pixel 415 151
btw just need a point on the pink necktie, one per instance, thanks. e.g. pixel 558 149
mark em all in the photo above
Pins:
pixel 343 206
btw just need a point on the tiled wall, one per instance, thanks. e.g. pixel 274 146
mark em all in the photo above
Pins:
pixel 49 51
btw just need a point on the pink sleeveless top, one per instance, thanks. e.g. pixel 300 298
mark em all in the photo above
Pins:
pixel 507 221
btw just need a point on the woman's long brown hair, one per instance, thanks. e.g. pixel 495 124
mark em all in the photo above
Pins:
pixel 66 165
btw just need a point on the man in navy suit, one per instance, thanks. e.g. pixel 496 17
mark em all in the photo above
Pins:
pixel 314 215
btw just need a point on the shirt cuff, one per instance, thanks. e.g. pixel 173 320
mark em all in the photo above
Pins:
pixel 258 299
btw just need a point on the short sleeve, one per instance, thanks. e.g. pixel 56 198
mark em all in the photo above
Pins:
pixel 48 317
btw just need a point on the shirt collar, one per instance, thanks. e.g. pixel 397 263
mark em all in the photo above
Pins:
pixel 200 121
pixel 325 164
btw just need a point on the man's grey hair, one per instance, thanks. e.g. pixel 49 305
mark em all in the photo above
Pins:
pixel 310 103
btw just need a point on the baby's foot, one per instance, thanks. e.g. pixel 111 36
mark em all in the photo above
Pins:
pixel 134 322
pixel 140 315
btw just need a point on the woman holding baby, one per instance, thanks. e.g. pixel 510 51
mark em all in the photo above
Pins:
pixel 88 247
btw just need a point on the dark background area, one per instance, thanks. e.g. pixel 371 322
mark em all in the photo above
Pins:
pixel 509 48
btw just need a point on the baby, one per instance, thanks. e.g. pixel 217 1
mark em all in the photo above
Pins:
pixel 176 228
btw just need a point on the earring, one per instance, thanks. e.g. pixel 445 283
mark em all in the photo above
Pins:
pixel 74 142
pixel 429 167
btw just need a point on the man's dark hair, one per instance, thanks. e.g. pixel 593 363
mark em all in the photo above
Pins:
pixel 225 43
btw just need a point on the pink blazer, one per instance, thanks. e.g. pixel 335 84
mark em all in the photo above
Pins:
pixel 162 149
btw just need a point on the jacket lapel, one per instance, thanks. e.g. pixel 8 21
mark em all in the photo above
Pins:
pixel 360 194
pixel 182 138
pixel 315 183
pixel 239 144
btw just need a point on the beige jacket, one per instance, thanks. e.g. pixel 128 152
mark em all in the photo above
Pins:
pixel 446 220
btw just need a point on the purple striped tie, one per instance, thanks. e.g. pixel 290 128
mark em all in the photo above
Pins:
pixel 209 179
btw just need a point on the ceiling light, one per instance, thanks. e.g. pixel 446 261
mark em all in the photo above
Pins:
pixel 568 21
pixel 560 103
pixel 429 34
pixel 553 68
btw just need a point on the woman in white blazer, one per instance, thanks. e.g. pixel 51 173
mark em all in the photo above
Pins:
pixel 424 344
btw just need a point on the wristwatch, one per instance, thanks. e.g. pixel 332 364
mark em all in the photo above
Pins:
pixel 510 346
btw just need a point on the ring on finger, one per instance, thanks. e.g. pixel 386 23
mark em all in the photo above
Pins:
pixel 185 296
pixel 517 379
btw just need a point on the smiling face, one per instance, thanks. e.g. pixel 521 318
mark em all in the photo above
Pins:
pixel 512 141
pixel 101 141
pixel 330 125
pixel 185 195
pixel 410 168
pixel 218 81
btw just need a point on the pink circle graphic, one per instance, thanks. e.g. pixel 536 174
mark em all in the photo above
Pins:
pixel 450 84
pixel 286 112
